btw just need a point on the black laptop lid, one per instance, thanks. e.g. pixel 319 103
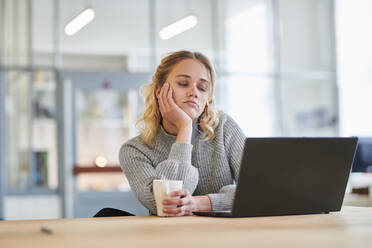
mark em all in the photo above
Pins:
pixel 282 176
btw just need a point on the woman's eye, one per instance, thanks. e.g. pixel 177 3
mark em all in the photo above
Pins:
pixel 203 87
pixel 182 83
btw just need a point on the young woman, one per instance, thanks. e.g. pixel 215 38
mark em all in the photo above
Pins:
pixel 184 138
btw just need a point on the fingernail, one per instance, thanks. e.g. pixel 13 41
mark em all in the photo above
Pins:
pixel 165 201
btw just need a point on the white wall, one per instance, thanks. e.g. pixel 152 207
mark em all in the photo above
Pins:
pixel 354 53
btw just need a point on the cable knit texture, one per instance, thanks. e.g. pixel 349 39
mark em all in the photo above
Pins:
pixel 206 167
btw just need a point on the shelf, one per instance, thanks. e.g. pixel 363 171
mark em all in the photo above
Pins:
pixel 94 169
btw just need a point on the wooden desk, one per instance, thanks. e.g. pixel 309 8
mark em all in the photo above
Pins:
pixel 352 227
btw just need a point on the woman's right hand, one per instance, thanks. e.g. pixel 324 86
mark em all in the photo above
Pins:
pixel 170 111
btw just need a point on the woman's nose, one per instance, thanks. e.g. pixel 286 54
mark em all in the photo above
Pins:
pixel 192 91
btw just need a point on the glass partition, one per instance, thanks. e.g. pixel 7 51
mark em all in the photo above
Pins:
pixel 309 107
pixel 19 125
pixel 105 119
pixel 251 101
pixel 44 129
pixel 32 130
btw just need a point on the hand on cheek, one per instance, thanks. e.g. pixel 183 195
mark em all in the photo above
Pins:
pixel 169 110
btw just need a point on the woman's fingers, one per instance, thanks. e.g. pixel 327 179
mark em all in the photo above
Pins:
pixel 176 211
pixel 181 211
pixel 184 203
pixel 170 96
pixel 173 202
pixel 167 98
pixel 163 90
pixel 161 100
pixel 169 110
pixel 166 101
pixel 161 105
pixel 182 193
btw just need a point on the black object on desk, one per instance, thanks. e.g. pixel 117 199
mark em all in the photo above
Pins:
pixel 46 230
pixel 112 212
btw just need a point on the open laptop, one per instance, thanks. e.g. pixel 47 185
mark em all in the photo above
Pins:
pixel 286 176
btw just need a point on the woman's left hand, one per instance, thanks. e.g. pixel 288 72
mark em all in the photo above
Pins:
pixel 186 204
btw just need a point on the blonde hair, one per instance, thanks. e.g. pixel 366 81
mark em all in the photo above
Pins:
pixel 151 117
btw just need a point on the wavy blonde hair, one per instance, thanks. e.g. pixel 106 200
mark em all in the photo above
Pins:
pixel 151 118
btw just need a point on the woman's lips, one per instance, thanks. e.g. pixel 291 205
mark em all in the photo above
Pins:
pixel 192 103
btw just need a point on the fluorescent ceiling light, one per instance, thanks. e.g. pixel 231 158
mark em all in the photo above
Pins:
pixel 178 27
pixel 80 21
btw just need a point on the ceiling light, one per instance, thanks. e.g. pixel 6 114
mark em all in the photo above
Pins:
pixel 178 27
pixel 80 21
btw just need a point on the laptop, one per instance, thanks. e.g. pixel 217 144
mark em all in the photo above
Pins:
pixel 288 176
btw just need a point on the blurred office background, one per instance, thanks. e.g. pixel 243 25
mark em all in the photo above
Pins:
pixel 68 102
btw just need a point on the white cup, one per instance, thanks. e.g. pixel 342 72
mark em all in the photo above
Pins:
pixel 162 190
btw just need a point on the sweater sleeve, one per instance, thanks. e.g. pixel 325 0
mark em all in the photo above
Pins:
pixel 223 200
pixel 140 171
pixel 234 139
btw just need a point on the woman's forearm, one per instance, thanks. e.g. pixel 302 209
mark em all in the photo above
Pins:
pixel 203 203
pixel 184 134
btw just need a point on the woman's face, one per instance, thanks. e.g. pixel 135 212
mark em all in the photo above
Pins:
pixel 190 81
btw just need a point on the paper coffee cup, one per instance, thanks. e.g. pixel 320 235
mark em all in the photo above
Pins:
pixel 162 190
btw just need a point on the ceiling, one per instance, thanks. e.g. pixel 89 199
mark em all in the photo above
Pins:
pixel 121 26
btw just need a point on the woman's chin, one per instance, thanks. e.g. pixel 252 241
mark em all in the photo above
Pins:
pixel 193 115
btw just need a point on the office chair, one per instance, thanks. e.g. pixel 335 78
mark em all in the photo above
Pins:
pixel 363 156
pixel 112 212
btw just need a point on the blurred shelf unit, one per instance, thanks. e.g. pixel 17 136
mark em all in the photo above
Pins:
pixel 81 169
pixel 32 132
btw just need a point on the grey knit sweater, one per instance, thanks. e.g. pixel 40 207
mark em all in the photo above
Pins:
pixel 206 167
